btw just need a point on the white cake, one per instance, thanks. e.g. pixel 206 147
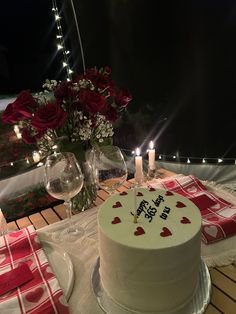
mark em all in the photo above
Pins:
pixel 152 265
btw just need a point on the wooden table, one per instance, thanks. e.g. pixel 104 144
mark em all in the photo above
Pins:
pixel 223 298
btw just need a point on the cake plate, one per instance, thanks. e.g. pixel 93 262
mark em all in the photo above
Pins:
pixel 197 305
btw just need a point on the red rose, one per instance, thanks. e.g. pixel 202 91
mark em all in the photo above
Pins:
pixel 91 101
pixel 100 80
pixel 123 97
pixel 10 116
pixel 111 115
pixel 49 116
pixel 20 109
pixel 64 91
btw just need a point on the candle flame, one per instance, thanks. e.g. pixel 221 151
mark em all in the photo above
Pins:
pixel 16 129
pixel 151 145
pixel 137 151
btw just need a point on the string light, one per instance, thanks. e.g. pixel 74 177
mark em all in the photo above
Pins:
pixel 197 160
pixel 61 41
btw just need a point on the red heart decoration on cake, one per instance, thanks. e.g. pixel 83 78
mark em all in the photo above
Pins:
pixel 139 231
pixel 185 220
pixel 139 194
pixel 117 204
pixel 151 189
pixel 165 232
pixel 180 204
pixel 35 295
pixel 116 220
pixel 123 193
pixel 169 193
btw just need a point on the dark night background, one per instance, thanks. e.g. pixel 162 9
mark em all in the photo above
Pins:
pixel 178 59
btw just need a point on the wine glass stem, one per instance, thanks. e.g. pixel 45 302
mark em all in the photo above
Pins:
pixel 68 205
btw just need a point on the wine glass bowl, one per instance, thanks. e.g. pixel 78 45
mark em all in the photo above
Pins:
pixel 111 169
pixel 64 180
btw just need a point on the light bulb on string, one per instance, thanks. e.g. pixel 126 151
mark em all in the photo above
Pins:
pixel 203 161
pixel 64 64
pixel 160 157
pixel 220 160
pixel 188 161
pixel 59 47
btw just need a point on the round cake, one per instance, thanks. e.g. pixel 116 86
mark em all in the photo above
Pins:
pixel 151 265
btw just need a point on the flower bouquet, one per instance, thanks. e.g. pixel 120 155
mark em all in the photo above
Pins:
pixel 75 115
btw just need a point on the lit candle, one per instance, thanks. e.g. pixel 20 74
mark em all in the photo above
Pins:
pixel 36 156
pixel 18 135
pixel 16 129
pixel 151 156
pixel 138 167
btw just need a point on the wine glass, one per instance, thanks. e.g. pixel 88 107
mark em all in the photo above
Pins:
pixel 63 180
pixel 110 168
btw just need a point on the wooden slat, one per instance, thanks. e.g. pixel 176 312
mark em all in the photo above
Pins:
pixel 12 226
pixel 127 184
pixel 121 188
pixel 212 310
pixel 223 283
pixel 23 222
pixel 229 271
pixel 61 211
pixel 37 220
pixel 223 302
pixel 103 195
pixel 50 216
pixel 98 201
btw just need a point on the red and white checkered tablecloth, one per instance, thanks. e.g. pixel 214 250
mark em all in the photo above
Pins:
pixel 42 294
pixel 218 215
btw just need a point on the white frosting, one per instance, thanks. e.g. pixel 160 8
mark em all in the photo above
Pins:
pixel 152 265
